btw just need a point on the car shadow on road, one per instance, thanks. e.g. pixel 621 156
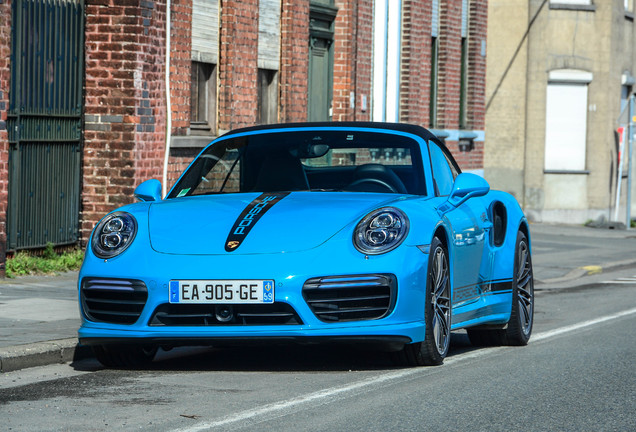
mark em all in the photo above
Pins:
pixel 278 358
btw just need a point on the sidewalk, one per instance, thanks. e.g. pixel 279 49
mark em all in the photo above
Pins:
pixel 39 318
pixel 562 254
pixel 39 315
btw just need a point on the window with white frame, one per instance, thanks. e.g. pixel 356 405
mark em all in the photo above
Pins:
pixel 387 31
pixel 566 120
pixel 572 2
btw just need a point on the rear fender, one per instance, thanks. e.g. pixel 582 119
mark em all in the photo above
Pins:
pixel 504 249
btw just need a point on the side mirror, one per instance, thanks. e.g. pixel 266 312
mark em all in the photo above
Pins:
pixel 467 186
pixel 150 190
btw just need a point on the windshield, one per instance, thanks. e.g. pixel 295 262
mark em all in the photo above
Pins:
pixel 308 160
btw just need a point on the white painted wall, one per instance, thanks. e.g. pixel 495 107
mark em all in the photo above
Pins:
pixel 387 33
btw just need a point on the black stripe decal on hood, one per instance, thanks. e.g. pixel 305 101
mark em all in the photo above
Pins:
pixel 249 217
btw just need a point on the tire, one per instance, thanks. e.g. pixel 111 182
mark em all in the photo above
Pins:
pixel 124 356
pixel 437 314
pixel 519 327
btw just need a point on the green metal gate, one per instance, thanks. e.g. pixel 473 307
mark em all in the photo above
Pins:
pixel 44 122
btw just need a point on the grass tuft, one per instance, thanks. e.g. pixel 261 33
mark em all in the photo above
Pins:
pixel 49 262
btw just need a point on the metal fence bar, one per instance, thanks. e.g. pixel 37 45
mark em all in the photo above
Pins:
pixel 44 122
pixel 52 190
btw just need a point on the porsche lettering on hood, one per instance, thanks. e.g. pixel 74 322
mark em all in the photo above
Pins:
pixel 290 222
pixel 249 217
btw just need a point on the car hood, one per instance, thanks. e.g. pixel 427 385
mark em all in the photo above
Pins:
pixel 296 221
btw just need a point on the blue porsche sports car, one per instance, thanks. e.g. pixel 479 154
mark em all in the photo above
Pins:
pixel 316 232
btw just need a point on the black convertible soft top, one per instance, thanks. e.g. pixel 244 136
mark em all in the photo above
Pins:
pixel 400 127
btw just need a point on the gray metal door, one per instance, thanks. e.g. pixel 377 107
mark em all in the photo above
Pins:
pixel 320 78
pixel 44 122
pixel 321 61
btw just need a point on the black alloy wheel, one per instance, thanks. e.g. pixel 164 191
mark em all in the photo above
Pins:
pixel 437 314
pixel 519 327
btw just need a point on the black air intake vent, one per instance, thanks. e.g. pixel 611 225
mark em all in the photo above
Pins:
pixel 351 298
pixel 116 301
pixel 207 315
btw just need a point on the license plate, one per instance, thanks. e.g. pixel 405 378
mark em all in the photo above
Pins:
pixel 222 291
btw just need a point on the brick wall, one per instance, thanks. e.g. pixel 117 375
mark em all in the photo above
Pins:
pixel 449 64
pixel 5 71
pixel 476 100
pixel 180 65
pixel 449 86
pixel 416 63
pixel 124 103
pixel 150 104
pixel 294 60
pixel 363 61
pixel 125 113
pixel 478 24
pixel 180 82
pixel 180 159
pixel 353 46
pixel 238 55
pixel 345 45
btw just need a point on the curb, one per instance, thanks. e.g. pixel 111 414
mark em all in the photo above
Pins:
pixel 41 354
pixel 588 270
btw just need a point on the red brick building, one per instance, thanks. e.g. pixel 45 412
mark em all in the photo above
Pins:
pixel 245 63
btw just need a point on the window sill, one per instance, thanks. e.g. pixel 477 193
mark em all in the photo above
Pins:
pixel 629 16
pixel 190 141
pixel 440 133
pixel 576 172
pixel 573 7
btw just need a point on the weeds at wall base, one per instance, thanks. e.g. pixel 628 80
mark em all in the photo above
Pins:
pixel 47 263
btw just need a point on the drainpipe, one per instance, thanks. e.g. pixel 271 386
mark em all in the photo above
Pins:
pixel 168 102
pixel 628 216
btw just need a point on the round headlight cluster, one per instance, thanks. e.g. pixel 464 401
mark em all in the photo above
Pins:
pixel 114 234
pixel 381 231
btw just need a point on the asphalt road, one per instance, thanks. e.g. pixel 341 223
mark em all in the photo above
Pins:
pixel 577 374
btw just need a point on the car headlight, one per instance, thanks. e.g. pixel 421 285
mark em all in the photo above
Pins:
pixel 381 231
pixel 114 234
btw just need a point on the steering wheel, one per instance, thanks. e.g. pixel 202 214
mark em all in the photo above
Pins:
pixel 371 177
pixel 370 185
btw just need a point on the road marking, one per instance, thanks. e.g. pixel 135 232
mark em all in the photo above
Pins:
pixel 621 280
pixel 593 269
pixel 269 409
pixel 579 326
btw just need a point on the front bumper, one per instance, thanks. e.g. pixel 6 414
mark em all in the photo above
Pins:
pixel 290 271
